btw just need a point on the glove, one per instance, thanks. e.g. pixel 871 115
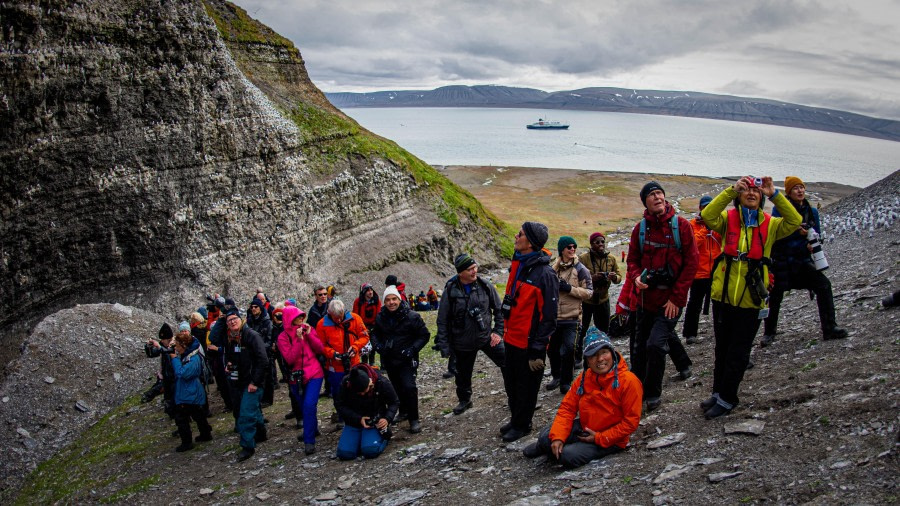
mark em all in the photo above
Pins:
pixel 564 286
pixel 445 353
pixel 408 353
pixel 536 364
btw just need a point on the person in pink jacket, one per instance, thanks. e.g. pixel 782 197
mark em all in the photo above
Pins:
pixel 299 344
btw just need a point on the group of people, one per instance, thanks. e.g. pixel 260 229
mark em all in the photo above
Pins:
pixel 558 307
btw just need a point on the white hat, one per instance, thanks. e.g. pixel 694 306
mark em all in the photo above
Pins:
pixel 391 290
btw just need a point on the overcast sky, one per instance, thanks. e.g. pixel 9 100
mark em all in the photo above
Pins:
pixel 842 54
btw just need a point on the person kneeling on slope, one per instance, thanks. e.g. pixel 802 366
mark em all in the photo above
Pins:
pixel 366 401
pixel 598 414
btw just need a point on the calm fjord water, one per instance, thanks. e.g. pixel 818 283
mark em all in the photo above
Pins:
pixel 631 143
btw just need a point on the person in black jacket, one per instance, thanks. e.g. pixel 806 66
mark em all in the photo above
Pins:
pixel 246 363
pixel 398 336
pixel 166 378
pixel 464 325
pixel 215 353
pixel 258 319
pixel 367 401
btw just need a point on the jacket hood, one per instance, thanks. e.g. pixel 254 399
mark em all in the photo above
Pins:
pixel 288 316
pixel 362 292
pixel 611 378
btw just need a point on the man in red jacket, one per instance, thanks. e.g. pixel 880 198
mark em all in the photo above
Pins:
pixel 599 413
pixel 662 268
pixel 529 310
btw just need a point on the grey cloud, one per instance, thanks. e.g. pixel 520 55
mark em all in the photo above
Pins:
pixel 743 88
pixel 846 100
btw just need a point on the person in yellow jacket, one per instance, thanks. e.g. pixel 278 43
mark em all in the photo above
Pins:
pixel 741 278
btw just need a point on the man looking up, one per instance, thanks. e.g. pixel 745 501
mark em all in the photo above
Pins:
pixel 662 268
pixel 529 311
pixel 245 363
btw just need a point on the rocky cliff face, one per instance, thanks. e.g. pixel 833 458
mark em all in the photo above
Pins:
pixel 151 151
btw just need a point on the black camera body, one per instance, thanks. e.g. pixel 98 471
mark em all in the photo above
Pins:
pixel 297 376
pixel 475 313
pixel 506 305
pixel 345 360
pixel 658 278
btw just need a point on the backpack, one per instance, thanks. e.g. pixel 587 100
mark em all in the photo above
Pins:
pixel 206 375
pixel 675 235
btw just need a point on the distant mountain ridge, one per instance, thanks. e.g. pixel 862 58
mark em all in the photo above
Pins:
pixel 669 103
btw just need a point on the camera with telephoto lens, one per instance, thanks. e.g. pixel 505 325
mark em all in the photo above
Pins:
pixel 818 256
pixel 475 313
pixel 506 306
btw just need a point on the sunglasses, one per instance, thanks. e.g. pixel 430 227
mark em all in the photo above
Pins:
pixel 323 294
pixel 571 246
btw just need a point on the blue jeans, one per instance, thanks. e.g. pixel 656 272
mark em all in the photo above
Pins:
pixel 309 401
pixel 250 418
pixel 356 441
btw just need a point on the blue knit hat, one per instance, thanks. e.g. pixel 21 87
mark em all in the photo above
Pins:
pixel 705 200
pixel 594 341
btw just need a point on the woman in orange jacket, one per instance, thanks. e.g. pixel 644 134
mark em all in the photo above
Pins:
pixel 598 414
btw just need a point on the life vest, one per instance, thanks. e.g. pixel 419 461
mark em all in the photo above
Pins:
pixel 733 234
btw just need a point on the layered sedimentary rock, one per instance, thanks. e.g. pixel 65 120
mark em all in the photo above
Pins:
pixel 150 151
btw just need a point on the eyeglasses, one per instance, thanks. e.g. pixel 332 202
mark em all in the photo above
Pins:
pixel 233 320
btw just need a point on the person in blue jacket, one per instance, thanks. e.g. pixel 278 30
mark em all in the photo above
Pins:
pixel 190 395
pixel 794 268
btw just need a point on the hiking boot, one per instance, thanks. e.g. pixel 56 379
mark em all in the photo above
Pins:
pixel 690 339
pixel 553 385
pixel 401 417
pixel 766 340
pixel 708 403
pixel 183 447
pixel 202 438
pixel 245 454
pixel 448 375
pixel 415 427
pixel 462 407
pixel 514 434
pixel 532 451
pixel 716 411
pixel 653 404
pixel 309 448
pixel 334 417
pixel 261 436
pixel 835 333
pixel 505 427
pixel 685 374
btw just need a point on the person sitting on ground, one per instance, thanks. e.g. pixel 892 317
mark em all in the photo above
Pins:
pixel 190 395
pixel 399 335
pixel 300 344
pixel 795 269
pixel 367 401
pixel 599 413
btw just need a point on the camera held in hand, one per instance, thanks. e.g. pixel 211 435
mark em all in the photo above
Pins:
pixel 475 313
pixel 660 278
pixel 506 306
pixel 345 360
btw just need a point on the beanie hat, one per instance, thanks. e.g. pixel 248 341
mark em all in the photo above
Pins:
pixel 391 290
pixel 232 311
pixel 790 182
pixel 391 280
pixel 596 235
pixel 229 302
pixel 184 327
pixel 257 302
pixel 290 302
pixel 220 303
pixel 704 201
pixel 462 262
pixel 594 341
pixel 165 332
pixel 203 312
pixel 536 233
pixel 563 242
pixel 358 380
pixel 648 188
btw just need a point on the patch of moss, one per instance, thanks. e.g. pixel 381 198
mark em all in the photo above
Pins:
pixel 235 24
pixel 74 472
pixel 134 488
